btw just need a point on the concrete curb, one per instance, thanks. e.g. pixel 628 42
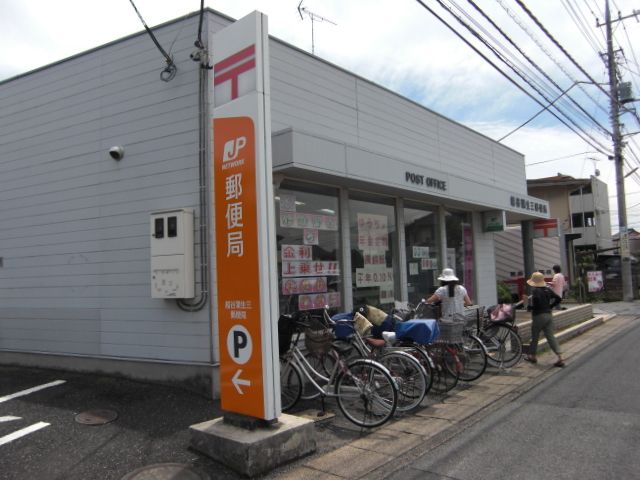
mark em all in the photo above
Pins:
pixel 575 330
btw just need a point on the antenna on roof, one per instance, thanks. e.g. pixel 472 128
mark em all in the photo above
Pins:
pixel 314 18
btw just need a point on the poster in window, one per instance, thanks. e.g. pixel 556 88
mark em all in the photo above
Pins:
pixel 373 231
pixel 296 252
pixel 429 264
pixel 310 236
pixel 420 252
pixel 413 268
pixel 374 257
pixel 287 203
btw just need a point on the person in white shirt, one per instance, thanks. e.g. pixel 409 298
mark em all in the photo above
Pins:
pixel 558 283
pixel 453 296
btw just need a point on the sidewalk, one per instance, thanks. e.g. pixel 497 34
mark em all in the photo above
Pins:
pixel 374 454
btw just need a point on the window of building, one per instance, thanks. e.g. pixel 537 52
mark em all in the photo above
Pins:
pixel 308 242
pixel 577 220
pixel 460 247
pixel 373 250
pixel 589 219
pixel 422 250
pixel 581 191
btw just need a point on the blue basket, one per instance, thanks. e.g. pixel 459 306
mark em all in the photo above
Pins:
pixel 342 329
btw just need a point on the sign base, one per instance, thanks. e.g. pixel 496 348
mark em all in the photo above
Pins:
pixel 254 452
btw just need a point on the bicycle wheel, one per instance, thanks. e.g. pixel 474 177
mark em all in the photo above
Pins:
pixel 290 384
pixel 321 363
pixel 425 360
pixel 366 393
pixel 473 355
pixel 504 346
pixel 410 377
pixel 445 374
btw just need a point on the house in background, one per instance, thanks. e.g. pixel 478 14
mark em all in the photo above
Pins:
pixel 581 208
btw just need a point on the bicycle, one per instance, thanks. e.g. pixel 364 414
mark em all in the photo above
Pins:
pixel 366 393
pixel 442 356
pixel 471 357
pixel 500 338
pixel 410 375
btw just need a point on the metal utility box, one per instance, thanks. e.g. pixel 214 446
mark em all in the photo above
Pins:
pixel 172 260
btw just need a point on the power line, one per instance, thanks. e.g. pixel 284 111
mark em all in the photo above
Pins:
pixel 535 65
pixel 558 158
pixel 582 134
pixel 524 28
pixel 170 70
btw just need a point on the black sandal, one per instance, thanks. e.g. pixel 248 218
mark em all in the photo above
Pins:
pixel 530 359
pixel 559 364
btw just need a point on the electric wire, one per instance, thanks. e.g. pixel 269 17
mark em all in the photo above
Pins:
pixel 566 53
pixel 573 13
pixel 198 43
pixel 538 68
pixel 170 70
pixel 559 158
pixel 537 41
pixel 200 303
pixel 591 141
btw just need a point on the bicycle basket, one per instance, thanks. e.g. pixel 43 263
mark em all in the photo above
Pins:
pixel 450 332
pixel 318 342
pixel 472 315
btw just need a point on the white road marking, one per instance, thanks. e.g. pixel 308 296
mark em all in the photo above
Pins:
pixel 22 432
pixel 8 418
pixel 31 390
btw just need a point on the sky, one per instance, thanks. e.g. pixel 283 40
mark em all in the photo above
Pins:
pixel 402 46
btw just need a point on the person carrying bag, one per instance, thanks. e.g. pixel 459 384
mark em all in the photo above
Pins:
pixel 540 304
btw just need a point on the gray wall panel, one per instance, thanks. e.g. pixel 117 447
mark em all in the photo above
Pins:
pixel 75 236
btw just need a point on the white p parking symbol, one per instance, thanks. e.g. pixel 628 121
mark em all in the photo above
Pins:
pixel 239 344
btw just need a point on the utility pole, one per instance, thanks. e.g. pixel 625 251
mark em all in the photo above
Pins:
pixel 625 260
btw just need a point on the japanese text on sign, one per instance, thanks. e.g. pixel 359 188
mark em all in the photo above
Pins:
pixel 311 268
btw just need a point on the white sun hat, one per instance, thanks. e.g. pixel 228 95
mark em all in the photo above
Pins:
pixel 448 275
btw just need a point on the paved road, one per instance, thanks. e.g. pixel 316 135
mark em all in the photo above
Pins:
pixel 152 426
pixel 582 423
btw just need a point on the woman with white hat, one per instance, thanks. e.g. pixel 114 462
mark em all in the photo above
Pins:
pixel 453 296
pixel 542 301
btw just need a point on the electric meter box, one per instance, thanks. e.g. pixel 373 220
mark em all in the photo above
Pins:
pixel 172 259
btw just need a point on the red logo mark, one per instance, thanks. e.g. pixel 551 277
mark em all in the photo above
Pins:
pixel 233 66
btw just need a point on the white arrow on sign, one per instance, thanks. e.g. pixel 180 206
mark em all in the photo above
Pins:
pixel 237 381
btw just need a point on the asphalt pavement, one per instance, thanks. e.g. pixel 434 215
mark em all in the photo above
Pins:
pixel 145 426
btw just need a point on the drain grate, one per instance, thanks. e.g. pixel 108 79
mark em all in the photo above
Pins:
pixel 166 471
pixel 96 417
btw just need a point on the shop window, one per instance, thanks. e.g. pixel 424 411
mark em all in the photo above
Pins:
pixel 373 251
pixel 422 250
pixel 460 247
pixel 308 239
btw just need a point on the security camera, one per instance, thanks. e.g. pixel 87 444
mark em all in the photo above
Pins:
pixel 116 152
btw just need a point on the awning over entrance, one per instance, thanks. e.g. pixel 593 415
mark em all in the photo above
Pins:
pixel 305 156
